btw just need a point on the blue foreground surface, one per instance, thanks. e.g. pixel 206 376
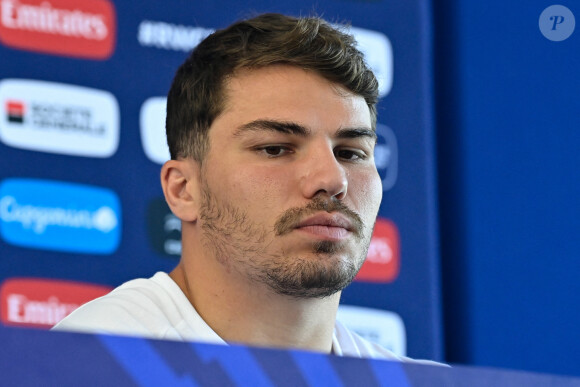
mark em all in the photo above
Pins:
pixel 34 357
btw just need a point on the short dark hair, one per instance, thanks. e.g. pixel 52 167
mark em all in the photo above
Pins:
pixel 197 97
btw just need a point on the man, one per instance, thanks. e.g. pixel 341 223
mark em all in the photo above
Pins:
pixel 271 129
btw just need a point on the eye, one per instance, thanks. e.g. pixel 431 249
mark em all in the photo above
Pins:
pixel 350 154
pixel 274 150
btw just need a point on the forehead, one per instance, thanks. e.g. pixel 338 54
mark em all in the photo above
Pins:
pixel 293 94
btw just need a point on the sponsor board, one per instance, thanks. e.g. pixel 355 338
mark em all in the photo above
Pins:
pixel 152 124
pixel 58 118
pixel 85 29
pixel 378 326
pixel 387 156
pixel 41 303
pixel 59 216
pixel 383 258
pixel 164 229
pixel 169 36
pixel 378 53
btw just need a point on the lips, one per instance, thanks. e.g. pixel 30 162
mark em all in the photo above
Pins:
pixel 326 226
pixel 327 220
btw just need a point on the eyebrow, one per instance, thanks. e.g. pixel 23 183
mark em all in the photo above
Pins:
pixel 356 133
pixel 285 127
pixel 288 127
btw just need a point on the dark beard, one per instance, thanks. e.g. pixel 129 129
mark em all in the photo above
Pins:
pixel 240 245
pixel 303 278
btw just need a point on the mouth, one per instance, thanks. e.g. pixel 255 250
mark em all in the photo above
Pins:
pixel 325 226
pixel 323 220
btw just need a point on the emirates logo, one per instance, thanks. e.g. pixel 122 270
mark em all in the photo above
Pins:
pixel 64 27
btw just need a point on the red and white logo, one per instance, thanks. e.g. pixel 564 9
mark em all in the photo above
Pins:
pixel 58 118
pixel 42 303
pixel 384 255
pixel 85 29
pixel 15 111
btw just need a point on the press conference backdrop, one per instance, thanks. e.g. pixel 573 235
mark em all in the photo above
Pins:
pixel 82 99
pixel 508 105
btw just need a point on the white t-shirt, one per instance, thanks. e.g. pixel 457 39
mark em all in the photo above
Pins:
pixel 157 308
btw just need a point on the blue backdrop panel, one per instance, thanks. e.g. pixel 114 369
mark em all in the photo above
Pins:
pixel 139 69
pixel 509 185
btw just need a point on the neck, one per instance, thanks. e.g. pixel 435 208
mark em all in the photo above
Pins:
pixel 252 313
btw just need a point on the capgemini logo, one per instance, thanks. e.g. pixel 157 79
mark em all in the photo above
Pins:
pixel 59 216
pixel 38 219
pixel 105 219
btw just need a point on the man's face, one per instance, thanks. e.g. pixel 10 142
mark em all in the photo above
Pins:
pixel 290 191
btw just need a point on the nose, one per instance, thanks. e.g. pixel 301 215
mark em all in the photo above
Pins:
pixel 322 173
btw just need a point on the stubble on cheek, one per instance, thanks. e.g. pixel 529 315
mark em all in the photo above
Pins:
pixel 243 246
pixel 227 231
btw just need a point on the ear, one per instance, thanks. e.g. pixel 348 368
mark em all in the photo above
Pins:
pixel 180 183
